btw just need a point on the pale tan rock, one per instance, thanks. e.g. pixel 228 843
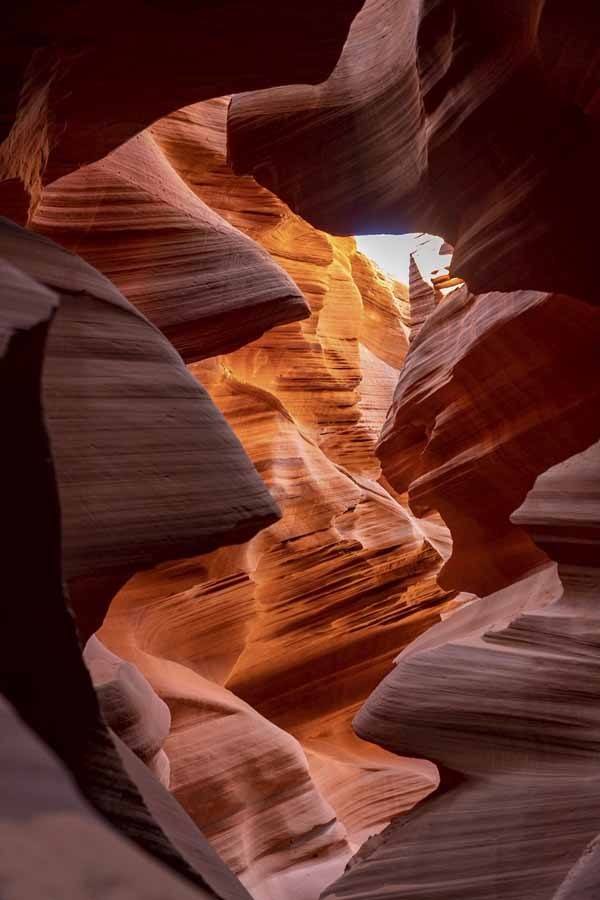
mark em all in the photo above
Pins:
pixel 131 708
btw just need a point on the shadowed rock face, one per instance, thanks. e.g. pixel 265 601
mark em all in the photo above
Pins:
pixel 497 388
pixel 510 713
pixel 51 823
pixel 476 122
pixel 138 444
pixel 270 619
pixel 81 79
pixel 44 683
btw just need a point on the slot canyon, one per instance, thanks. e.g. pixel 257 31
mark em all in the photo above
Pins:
pixel 300 370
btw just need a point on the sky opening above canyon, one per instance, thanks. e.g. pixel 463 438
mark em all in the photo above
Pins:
pixel 392 252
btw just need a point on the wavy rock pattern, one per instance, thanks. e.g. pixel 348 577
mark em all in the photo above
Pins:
pixel 480 411
pixel 139 447
pixel 41 827
pixel 510 713
pixel 76 87
pixel 43 794
pixel 134 219
pixel 303 621
pixel 255 797
pixel 132 710
pixel 476 123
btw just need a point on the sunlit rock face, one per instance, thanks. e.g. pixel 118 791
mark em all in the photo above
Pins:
pixel 126 419
pixel 134 200
pixel 362 524
pixel 472 121
pixel 302 622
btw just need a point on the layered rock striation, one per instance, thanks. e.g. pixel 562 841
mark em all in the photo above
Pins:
pixel 65 776
pixel 80 80
pixel 285 551
pixel 139 447
pixel 302 622
pixel 507 710
pixel 497 388
pixel 476 123
pixel 135 201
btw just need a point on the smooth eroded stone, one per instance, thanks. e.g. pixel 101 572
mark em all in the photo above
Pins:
pixel 80 79
pixel 508 707
pixel 54 843
pixel 42 673
pixel 474 122
pixel 147 467
pixel 495 389
pixel 207 286
pixel 302 621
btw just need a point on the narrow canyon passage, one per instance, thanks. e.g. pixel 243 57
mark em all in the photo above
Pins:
pixel 296 627
pixel 300 375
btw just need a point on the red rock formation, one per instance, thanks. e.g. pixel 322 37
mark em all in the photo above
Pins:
pixel 244 778
pixel 510 712
pixel 135 220
pixel 147 467
pixel 303 621
pixel 53 842
pixel 130 707
pixel 315 610
pixel 81 79
pixel 496 389
pixel 476 123
pixel 47 804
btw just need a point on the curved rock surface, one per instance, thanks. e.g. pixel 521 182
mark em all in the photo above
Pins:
pixel 133 218
pixel 81 79
pixel 54 844
pixel 44 682
pixel 496 389
pixel 510 713
pixel 132 710
pixel 479 122
pixel 302 621
pixel 254 798
pixel 476 123
pixel 147 467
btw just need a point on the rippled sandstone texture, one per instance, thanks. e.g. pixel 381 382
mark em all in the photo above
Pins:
pixel 208 287
pixel 147 467
pixel 497 388
pixel 71 789
pixel 76 86
pixel 510 714
pixel 303 622
pixel 478 122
